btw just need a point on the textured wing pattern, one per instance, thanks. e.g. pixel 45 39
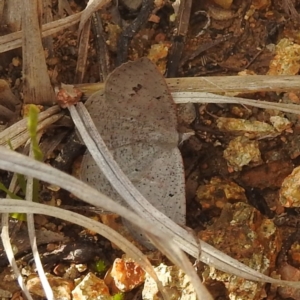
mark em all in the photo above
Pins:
pixel 136 117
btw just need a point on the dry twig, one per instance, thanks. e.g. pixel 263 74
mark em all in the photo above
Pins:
pixel 37 86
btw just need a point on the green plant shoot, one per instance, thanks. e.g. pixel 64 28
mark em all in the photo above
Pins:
pixel 22 183
pixel 8 192
pixel 32 129
pixel 100 266
pixel 118 296
pixel 21 177
pixel 32 125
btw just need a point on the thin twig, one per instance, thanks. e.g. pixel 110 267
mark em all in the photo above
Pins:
pixel 182 24
pixel 101 46
pixel 82 53
pixel 219 84
pixel 129 32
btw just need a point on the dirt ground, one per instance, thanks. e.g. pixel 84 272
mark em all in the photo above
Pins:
pixel 234 206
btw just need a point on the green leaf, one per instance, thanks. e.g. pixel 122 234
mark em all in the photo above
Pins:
pixel 21 177
pixel 37 152
pixel 100 266
pixel 32 129
pixel 8 192
pixel 118 296
pixel 18 216
pixel 32 125
pixel 22 182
